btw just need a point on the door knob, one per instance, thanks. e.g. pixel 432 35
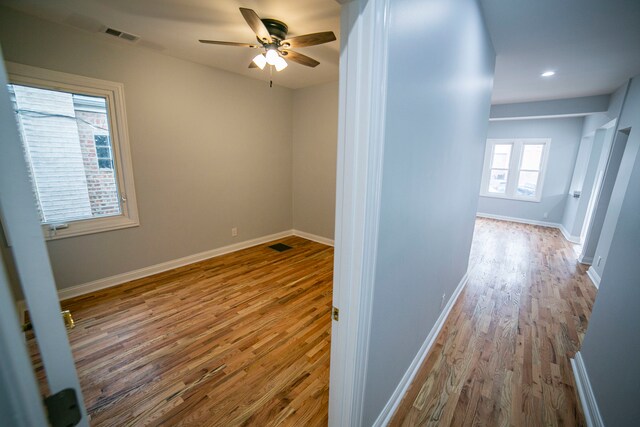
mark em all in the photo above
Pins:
pixel 66 316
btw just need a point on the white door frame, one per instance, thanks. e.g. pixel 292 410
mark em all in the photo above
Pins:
pixel 362 100
pixel 22 228
pixel 18 388
pixel 594 200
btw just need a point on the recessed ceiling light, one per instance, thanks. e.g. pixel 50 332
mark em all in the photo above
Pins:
pixel 548 73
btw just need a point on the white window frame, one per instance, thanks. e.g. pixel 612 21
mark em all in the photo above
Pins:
pixel 515 161
pixel 114 94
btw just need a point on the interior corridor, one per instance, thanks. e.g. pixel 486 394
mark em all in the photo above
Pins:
pixel 502 357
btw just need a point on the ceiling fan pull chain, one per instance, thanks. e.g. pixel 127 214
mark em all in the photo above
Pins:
pixel 270 75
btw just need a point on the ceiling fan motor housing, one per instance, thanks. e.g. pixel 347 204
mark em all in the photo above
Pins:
pixel 272 38
pixel 277 29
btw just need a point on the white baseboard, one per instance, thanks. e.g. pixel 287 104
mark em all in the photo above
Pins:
pixel 587 398
pixel 594 276
pixel 585 259
pixel 392 405
pixel 568 236
pixel 563 231
pixel 520 220
pixel 313 237
pixel 118 279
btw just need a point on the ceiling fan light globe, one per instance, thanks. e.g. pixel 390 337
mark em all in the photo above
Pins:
pixel 281 64
pixel 272 57
pixel 260 61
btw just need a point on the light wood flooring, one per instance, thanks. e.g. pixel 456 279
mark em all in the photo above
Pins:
pixel 241 339
pixel 502 358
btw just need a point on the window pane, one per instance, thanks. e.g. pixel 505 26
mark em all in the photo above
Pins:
pixel 498 181
pixel 101 140
pixel 57 130
pixel 103 152
pixel 501 156
pixel 103 163
pixel 527 183
pixel 532 156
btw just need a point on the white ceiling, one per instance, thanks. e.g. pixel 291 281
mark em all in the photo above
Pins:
pixel 593 45
pixel 175 26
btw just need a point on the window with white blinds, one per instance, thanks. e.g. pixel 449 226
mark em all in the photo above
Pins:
pixel 76 149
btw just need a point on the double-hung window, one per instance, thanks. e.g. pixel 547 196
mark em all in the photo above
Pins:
pixel 514 168
pixel 75 143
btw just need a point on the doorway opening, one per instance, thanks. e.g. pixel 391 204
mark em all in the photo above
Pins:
pixel 607 174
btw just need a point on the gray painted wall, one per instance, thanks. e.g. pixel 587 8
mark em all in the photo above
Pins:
pixel 203 160
pixel 565 139
pixel 612 343
pixel 315 136
pixel 437 114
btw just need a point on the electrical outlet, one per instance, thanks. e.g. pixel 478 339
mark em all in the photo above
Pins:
pixel 442 302
pixel 599 261
pixel 234 231
pixel 546 215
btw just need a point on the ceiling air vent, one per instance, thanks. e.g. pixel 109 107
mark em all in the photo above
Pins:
pixel 122 35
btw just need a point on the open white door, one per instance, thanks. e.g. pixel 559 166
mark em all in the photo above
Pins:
pixel 361 121
pixel 22 228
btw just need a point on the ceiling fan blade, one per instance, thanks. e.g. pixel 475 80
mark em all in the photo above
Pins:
pixel 256 24
pixel 309 39
pixel 299 58
pixel 253 46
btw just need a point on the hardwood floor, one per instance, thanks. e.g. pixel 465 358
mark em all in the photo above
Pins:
pixel 502 358
pixel 241 339
pixel 244 339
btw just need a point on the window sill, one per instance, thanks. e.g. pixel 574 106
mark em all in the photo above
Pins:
pixel 515 199
pixel 90 226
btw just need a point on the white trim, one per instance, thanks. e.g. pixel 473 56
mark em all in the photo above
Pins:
pixel 568 236
pixel 394 401
pixel 515 167
pixel 140 273
pixel 582 259
pixel 313 237
pixel 361 119
pixel 594 276
pixel 548 116
pixel 16 372
pixel 113 92
pixel 519 220
pixel 587 397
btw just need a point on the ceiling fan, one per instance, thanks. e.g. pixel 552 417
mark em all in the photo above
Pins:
pixel 271 35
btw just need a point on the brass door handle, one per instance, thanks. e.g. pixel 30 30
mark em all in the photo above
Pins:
pixel 66 316
pixel 68 319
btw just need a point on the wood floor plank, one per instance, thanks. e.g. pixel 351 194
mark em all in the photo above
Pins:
pixel 241 339
pixel 522 315
pixel 244 339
